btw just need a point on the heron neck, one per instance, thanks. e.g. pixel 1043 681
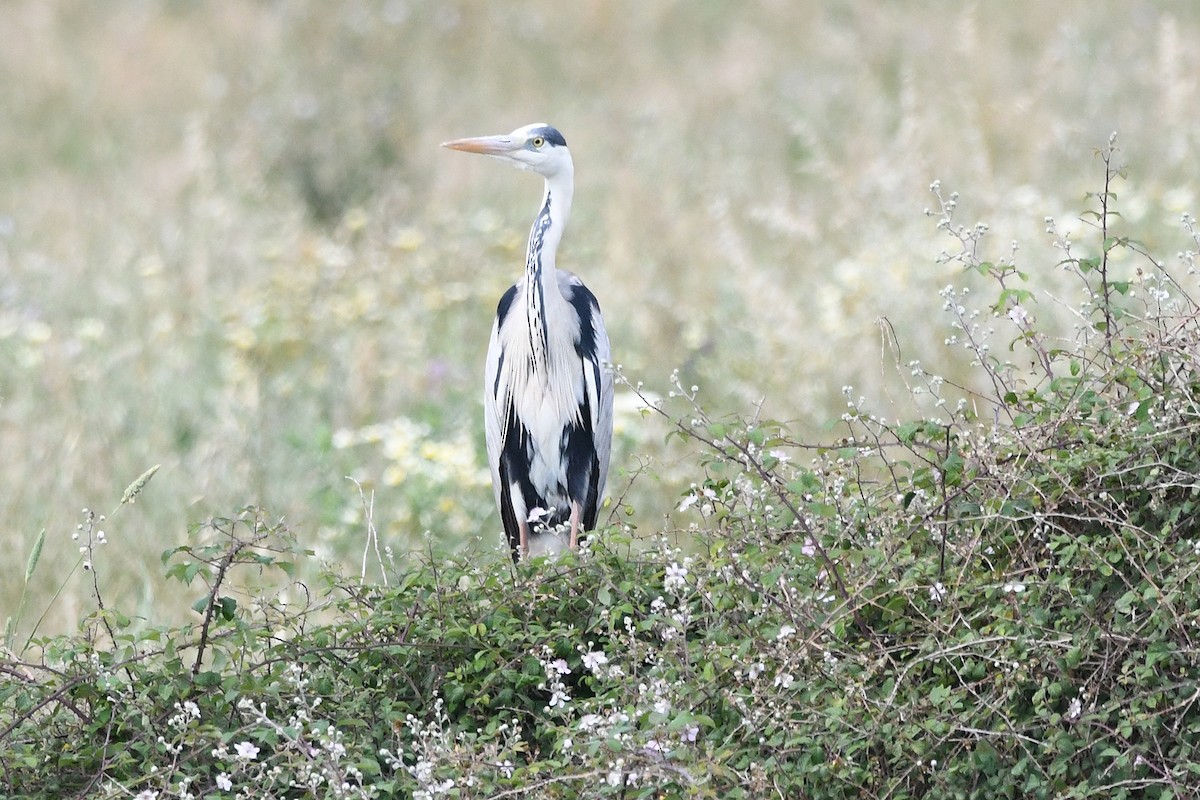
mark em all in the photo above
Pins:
pixel 548 229
pixel 541 280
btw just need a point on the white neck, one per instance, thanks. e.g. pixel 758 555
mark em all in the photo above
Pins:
pixel 541 279
pixel 548 227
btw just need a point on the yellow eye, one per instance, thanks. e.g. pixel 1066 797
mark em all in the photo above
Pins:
pixel 538 141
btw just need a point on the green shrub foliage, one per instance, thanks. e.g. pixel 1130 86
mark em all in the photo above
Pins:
pixel 997 597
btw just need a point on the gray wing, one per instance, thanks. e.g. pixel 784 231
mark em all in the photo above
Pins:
pixel 593 349
pixel 602 417
pixel 493 391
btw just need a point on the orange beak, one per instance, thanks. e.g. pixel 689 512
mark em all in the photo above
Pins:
pixel 486 145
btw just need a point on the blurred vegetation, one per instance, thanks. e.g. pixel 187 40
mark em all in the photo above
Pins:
pixel 230 245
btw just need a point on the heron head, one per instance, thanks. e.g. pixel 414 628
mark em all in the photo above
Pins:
pixel 538 147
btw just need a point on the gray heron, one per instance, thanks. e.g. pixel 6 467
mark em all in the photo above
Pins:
pixel 548 388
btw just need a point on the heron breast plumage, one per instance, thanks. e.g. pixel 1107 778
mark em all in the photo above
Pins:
pixel 555 404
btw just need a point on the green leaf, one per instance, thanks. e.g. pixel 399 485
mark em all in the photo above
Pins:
pixel 952 468
pixel 207 679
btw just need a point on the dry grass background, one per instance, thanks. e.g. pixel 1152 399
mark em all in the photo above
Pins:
pixel 230 244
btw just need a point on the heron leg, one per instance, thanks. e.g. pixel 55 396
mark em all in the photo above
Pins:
pixel 576 523
pixel 524 529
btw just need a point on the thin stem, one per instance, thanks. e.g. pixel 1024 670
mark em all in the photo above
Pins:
pixel 1104 286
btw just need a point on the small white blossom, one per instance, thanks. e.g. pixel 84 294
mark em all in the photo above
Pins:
pixel 589 721
pixel 675 576
pixel 1074 709
pixel 594 659
pixel 246 751
pixel 223 782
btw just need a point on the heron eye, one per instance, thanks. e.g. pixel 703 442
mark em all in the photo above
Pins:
pixel 538 141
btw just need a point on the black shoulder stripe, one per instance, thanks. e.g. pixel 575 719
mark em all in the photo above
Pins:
pixel 505 304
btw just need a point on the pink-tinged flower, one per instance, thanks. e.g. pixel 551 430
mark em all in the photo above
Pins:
pixel 594 659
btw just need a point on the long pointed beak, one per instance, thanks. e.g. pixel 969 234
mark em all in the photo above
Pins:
pixel 487 145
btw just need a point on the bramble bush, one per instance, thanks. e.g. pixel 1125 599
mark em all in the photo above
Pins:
pixel 999 597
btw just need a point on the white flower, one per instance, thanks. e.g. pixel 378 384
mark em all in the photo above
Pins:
pixel 560 666
pixel 809 548
pixel 223 782
pixel 784 680
pixel 785 631
pixel 589 721
pixel 937 592
pixel 594 659
pixel 675 576
pixel 148 794
pixel 246 751
pixel 1014 588
pixel 535 514
pixel 1074 709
